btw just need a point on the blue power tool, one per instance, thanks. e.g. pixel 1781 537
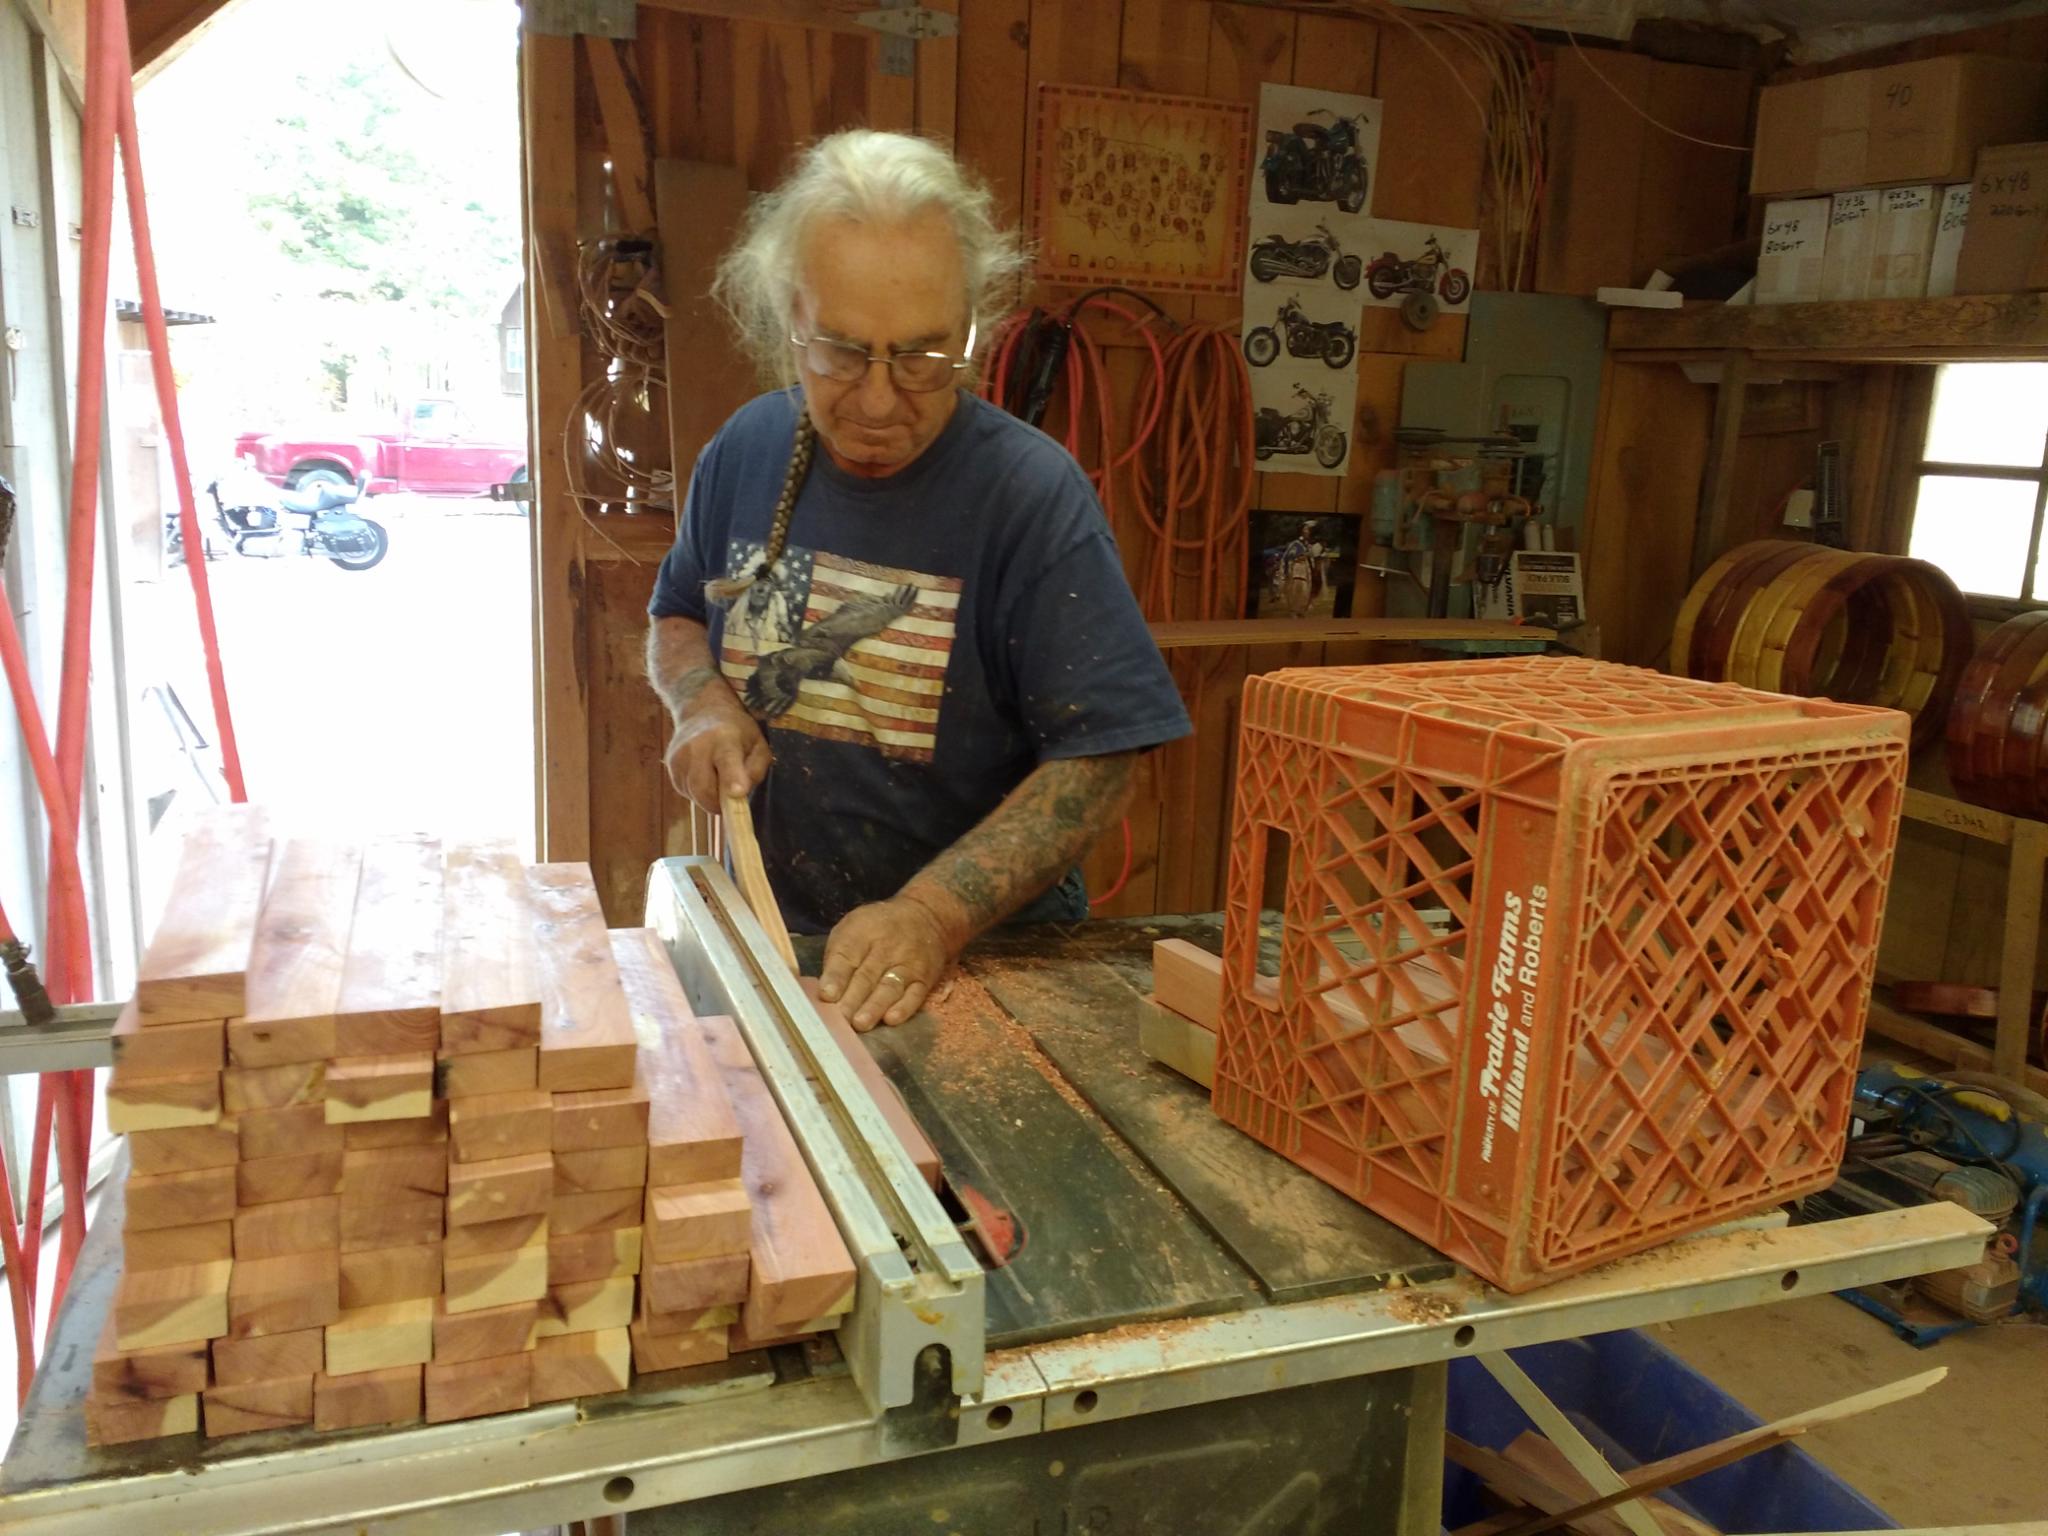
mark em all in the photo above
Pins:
pixel 1921 1138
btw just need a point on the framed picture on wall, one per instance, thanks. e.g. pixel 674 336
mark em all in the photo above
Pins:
pixel 1303 566
pixel 1139 189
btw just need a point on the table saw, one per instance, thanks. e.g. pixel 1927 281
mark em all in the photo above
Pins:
pixel 1118 1315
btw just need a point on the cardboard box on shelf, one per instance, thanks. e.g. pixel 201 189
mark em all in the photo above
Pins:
pixel 1852 232
pixel 1788 270
pixel 1902 124
pixel 1950 221
pixel 1900 246
pixel 2003 243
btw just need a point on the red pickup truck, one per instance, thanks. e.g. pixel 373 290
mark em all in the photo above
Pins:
pixel 434 450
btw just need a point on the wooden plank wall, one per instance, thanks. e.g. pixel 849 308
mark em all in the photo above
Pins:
pixel 745 93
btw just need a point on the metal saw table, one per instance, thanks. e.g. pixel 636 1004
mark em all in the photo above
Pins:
pixel 1125 1316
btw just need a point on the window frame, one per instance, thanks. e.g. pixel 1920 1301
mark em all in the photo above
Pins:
pixel 2037 474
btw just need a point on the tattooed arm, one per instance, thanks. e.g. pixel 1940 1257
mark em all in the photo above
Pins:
pixel 882 958
pixel 716 748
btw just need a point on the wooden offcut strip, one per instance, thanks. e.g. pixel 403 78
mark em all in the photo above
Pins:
pixel 1189 980
pixel 801 1268
pixel 490 986
pixel 197 964
pixel 751 874
pixel 390 1002
pixel 587 1039
pixel 692 1136
pixel 301 946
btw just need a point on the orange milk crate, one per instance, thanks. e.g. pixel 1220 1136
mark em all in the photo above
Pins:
pixel 1574 957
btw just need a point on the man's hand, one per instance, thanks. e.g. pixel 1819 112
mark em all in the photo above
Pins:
pixel 716 750
pixel 882 959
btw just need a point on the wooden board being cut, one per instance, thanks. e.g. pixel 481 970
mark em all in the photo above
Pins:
pixel 398 1087
pixel 367 1399
pixel 690 1130
pixel 255 1405
pixel 377 1338
pixel 587 1040
pixel 268 1356
pixel 173 1305
pixel 490 989
pixel 181 1148
pixel 495 1125
pixel 390 1002
pixel 801 1268
pixel 301 944
pixel 467 1389
pixel 373 1275
pixel 180 1199
pixel 582 1364
pixel 165 1050
pixel 916 1145
pixel 165 1247
pixel 164 1103
pixel 197 962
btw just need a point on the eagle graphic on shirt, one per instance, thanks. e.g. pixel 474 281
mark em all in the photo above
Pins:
pixel 842 649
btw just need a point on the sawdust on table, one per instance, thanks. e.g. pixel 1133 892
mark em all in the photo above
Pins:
pixel 1413 1306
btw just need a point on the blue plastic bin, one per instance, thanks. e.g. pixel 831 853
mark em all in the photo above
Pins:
pixel 1638 1402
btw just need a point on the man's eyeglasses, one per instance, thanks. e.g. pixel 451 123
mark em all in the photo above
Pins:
pixel 918 372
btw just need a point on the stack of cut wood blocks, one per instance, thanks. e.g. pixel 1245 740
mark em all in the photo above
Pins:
pixel 1187 984
pixel 412 1135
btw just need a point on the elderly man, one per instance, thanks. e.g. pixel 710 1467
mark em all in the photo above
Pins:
pixel 894 614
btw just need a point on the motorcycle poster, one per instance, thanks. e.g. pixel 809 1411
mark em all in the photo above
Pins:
pixel 1316 149
pixel 1301 352
pixel 1418 263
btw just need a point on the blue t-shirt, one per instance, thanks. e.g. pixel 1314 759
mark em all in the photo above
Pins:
pixel 927 639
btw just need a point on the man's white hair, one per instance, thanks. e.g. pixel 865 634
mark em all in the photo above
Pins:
pixel 873 178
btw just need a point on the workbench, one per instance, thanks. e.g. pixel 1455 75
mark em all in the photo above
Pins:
pixel 1184 1333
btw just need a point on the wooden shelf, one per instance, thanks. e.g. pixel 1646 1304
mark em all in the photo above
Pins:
pixel 2012 326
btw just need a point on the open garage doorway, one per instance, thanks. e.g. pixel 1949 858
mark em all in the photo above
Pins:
pixel 336 205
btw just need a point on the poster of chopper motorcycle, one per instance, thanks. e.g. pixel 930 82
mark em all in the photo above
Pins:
pixel 1406 261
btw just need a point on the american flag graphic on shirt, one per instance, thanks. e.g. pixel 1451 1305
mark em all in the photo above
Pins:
pixel 842 649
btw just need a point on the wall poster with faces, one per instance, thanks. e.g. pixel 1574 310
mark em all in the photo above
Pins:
pixel 1315 155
